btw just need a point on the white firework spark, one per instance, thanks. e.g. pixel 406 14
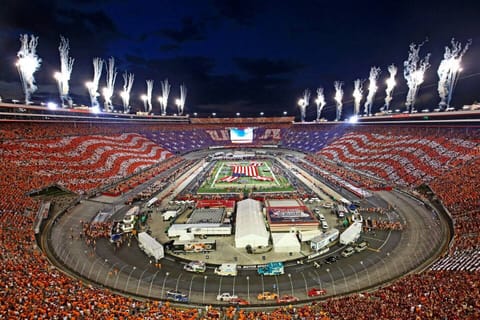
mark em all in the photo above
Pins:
pixel 27 64
pixel 127 88
pixel 448 71
pixel 413 72
pixel 92 86
pixel 181 101
pixel 164 97
pixel 63 77
pixel 303 104
pixel 338 98
pixel 372 89
pixel 149 95
pixel 392 70
pixel 357 95
pixel 108 90
pixel 320 102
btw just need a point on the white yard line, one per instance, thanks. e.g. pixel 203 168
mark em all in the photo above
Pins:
pixel 216 176
pixel 271 171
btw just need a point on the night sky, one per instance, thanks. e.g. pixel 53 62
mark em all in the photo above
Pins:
pixel 242 56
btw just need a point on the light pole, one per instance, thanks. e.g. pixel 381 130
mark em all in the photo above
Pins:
pixel 204 284
pixel 291 283
pixel 248 288
pixel 164 280
pixel 98 273
pixel 140 279
pixel 151 283
pixel 128 279
pixel 333 282
pixel 118 275
pixel 366 270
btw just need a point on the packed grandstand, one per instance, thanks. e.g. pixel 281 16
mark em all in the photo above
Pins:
pixel 438 161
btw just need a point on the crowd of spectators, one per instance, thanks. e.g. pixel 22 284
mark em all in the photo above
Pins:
pixel 30 288
pixel 459 191
pixel 354 178
pixel 85 162
pixel 91 231
pixel 403 159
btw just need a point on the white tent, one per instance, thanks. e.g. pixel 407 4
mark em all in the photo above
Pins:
pixel 250 228
pixel 285 242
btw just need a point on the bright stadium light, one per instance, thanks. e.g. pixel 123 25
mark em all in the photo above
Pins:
pixel 238 114
pixel 144 98
pixel 51 105
pixel 261 113
pixel 353 119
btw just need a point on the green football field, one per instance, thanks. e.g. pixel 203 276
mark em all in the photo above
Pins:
pixel 233 176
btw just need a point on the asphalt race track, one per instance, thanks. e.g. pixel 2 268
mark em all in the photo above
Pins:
pixel 391 254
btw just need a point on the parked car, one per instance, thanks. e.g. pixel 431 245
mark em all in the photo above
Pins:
pixel 267 295
pixel 348 252
pixel 314 292
pixel 331 260
pixel 287 299
pixel 324 225
pixel 361 246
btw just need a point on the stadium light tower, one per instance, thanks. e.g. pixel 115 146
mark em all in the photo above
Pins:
pixel 448 71
pixel 413 72
pixel 27 64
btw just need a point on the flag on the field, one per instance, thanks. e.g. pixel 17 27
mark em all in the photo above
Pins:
pixel 244 171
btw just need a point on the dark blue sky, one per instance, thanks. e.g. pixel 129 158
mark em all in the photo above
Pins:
pixel 242 56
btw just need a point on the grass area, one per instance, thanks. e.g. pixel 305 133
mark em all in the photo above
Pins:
pixel 275 182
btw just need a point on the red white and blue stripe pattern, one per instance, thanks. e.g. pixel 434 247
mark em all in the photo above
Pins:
pixel 82 163
pixel 244 171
